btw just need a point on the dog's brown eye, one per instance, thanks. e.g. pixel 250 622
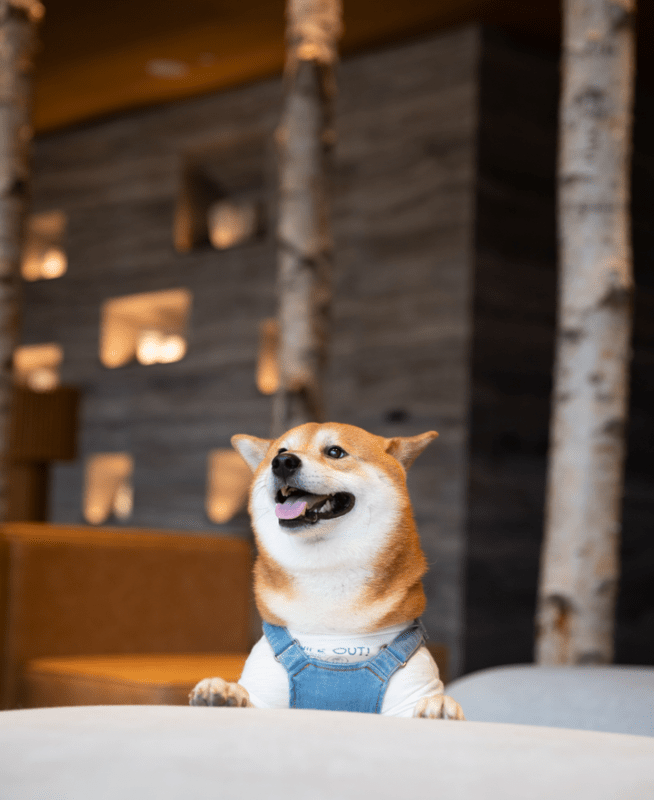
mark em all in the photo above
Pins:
pixel 335 452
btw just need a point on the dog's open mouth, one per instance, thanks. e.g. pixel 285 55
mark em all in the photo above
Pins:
pixel 295 507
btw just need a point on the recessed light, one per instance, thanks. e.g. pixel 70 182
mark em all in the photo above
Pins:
pixel 166 68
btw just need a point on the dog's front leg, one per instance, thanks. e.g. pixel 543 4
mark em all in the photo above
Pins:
pixel 217 692
pixel 438 706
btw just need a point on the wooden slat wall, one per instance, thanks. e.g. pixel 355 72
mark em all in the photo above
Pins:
pixel 43 429
pixel 28 491
pixel 43 424
pixel 512 348
pixel 403 216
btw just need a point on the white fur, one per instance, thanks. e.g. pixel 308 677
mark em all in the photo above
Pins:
pixel 331 562
pixel 330 565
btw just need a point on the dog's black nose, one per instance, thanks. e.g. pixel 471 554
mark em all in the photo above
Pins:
pixel 285 464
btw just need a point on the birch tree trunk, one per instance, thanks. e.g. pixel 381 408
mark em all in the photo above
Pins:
pixel 580 557
pixel 18 20
pixel 304 138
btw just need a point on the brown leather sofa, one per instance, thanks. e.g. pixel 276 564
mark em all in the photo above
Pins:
pixel 97 616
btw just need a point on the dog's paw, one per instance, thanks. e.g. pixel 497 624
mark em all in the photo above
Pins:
pixel 438 706
pixel 217 692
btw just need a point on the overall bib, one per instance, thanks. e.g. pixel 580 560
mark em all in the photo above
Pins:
pixel 341 687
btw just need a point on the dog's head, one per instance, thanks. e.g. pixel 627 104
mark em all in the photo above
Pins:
pixel 319 479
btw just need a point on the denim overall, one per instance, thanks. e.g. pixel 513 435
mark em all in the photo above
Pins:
pixel 341 687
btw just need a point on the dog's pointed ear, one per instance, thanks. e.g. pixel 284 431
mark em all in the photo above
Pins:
pixel 407 448
pixel 251 449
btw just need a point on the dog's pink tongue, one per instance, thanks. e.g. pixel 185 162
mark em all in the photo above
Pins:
pixel 290 509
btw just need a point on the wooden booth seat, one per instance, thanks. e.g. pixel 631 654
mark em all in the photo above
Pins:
pixel 125 679
pixel 106 616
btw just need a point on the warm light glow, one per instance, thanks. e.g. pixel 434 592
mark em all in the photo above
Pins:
pixel 44 256
pixel 108 489
pixel 42 379
pixel 94 513
pixel 37 366
pixel 173 348
pixel 123 501
pixel 228 484
pixel 166 68
pixel 267 361
pixel 149 327
pixel 147 349
pixel 156 348
pixel 230 223
pixel 117 348
pixel 54 263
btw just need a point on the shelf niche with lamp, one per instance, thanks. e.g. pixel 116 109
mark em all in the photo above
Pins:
pixel 221 197
pixel 108 490
pixel 43 429
pixel 229 479
pixel 267 375
pixel 149 327
pixel 36 366
pixel 44 250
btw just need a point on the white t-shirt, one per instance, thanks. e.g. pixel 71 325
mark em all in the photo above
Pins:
pixel 267 680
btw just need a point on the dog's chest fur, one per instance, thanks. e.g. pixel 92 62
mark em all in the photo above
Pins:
pixel 325 602
pixel 346 574
pixel 326 580
pixel 338 554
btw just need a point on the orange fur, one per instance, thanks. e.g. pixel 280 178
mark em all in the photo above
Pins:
pixel 398 572
pixel 268 574
pixel 338 554
pixel 392 590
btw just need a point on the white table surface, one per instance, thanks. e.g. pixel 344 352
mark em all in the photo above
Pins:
pixel 175 752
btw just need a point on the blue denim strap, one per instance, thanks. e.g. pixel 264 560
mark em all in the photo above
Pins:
pixel 358 686
pixel 389 659
pixel 399 651
pixel 287 651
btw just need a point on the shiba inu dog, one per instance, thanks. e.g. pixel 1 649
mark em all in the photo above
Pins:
pixel 337 578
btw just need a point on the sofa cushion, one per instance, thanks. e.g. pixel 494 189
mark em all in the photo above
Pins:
pixel 619 699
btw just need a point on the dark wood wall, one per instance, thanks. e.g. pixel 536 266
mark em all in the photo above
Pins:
pixel 512 360
pixel 512 347
pixel 403 215
pixel 443 313
pixel 635 631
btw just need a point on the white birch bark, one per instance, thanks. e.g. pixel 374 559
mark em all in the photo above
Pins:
pixel 580 557
pixel 18 20
pixel 304 138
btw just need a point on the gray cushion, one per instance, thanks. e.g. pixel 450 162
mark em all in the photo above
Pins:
pixel 182 753
pixel 617 699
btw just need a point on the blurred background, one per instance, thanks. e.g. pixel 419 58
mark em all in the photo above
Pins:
pixel 149 281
